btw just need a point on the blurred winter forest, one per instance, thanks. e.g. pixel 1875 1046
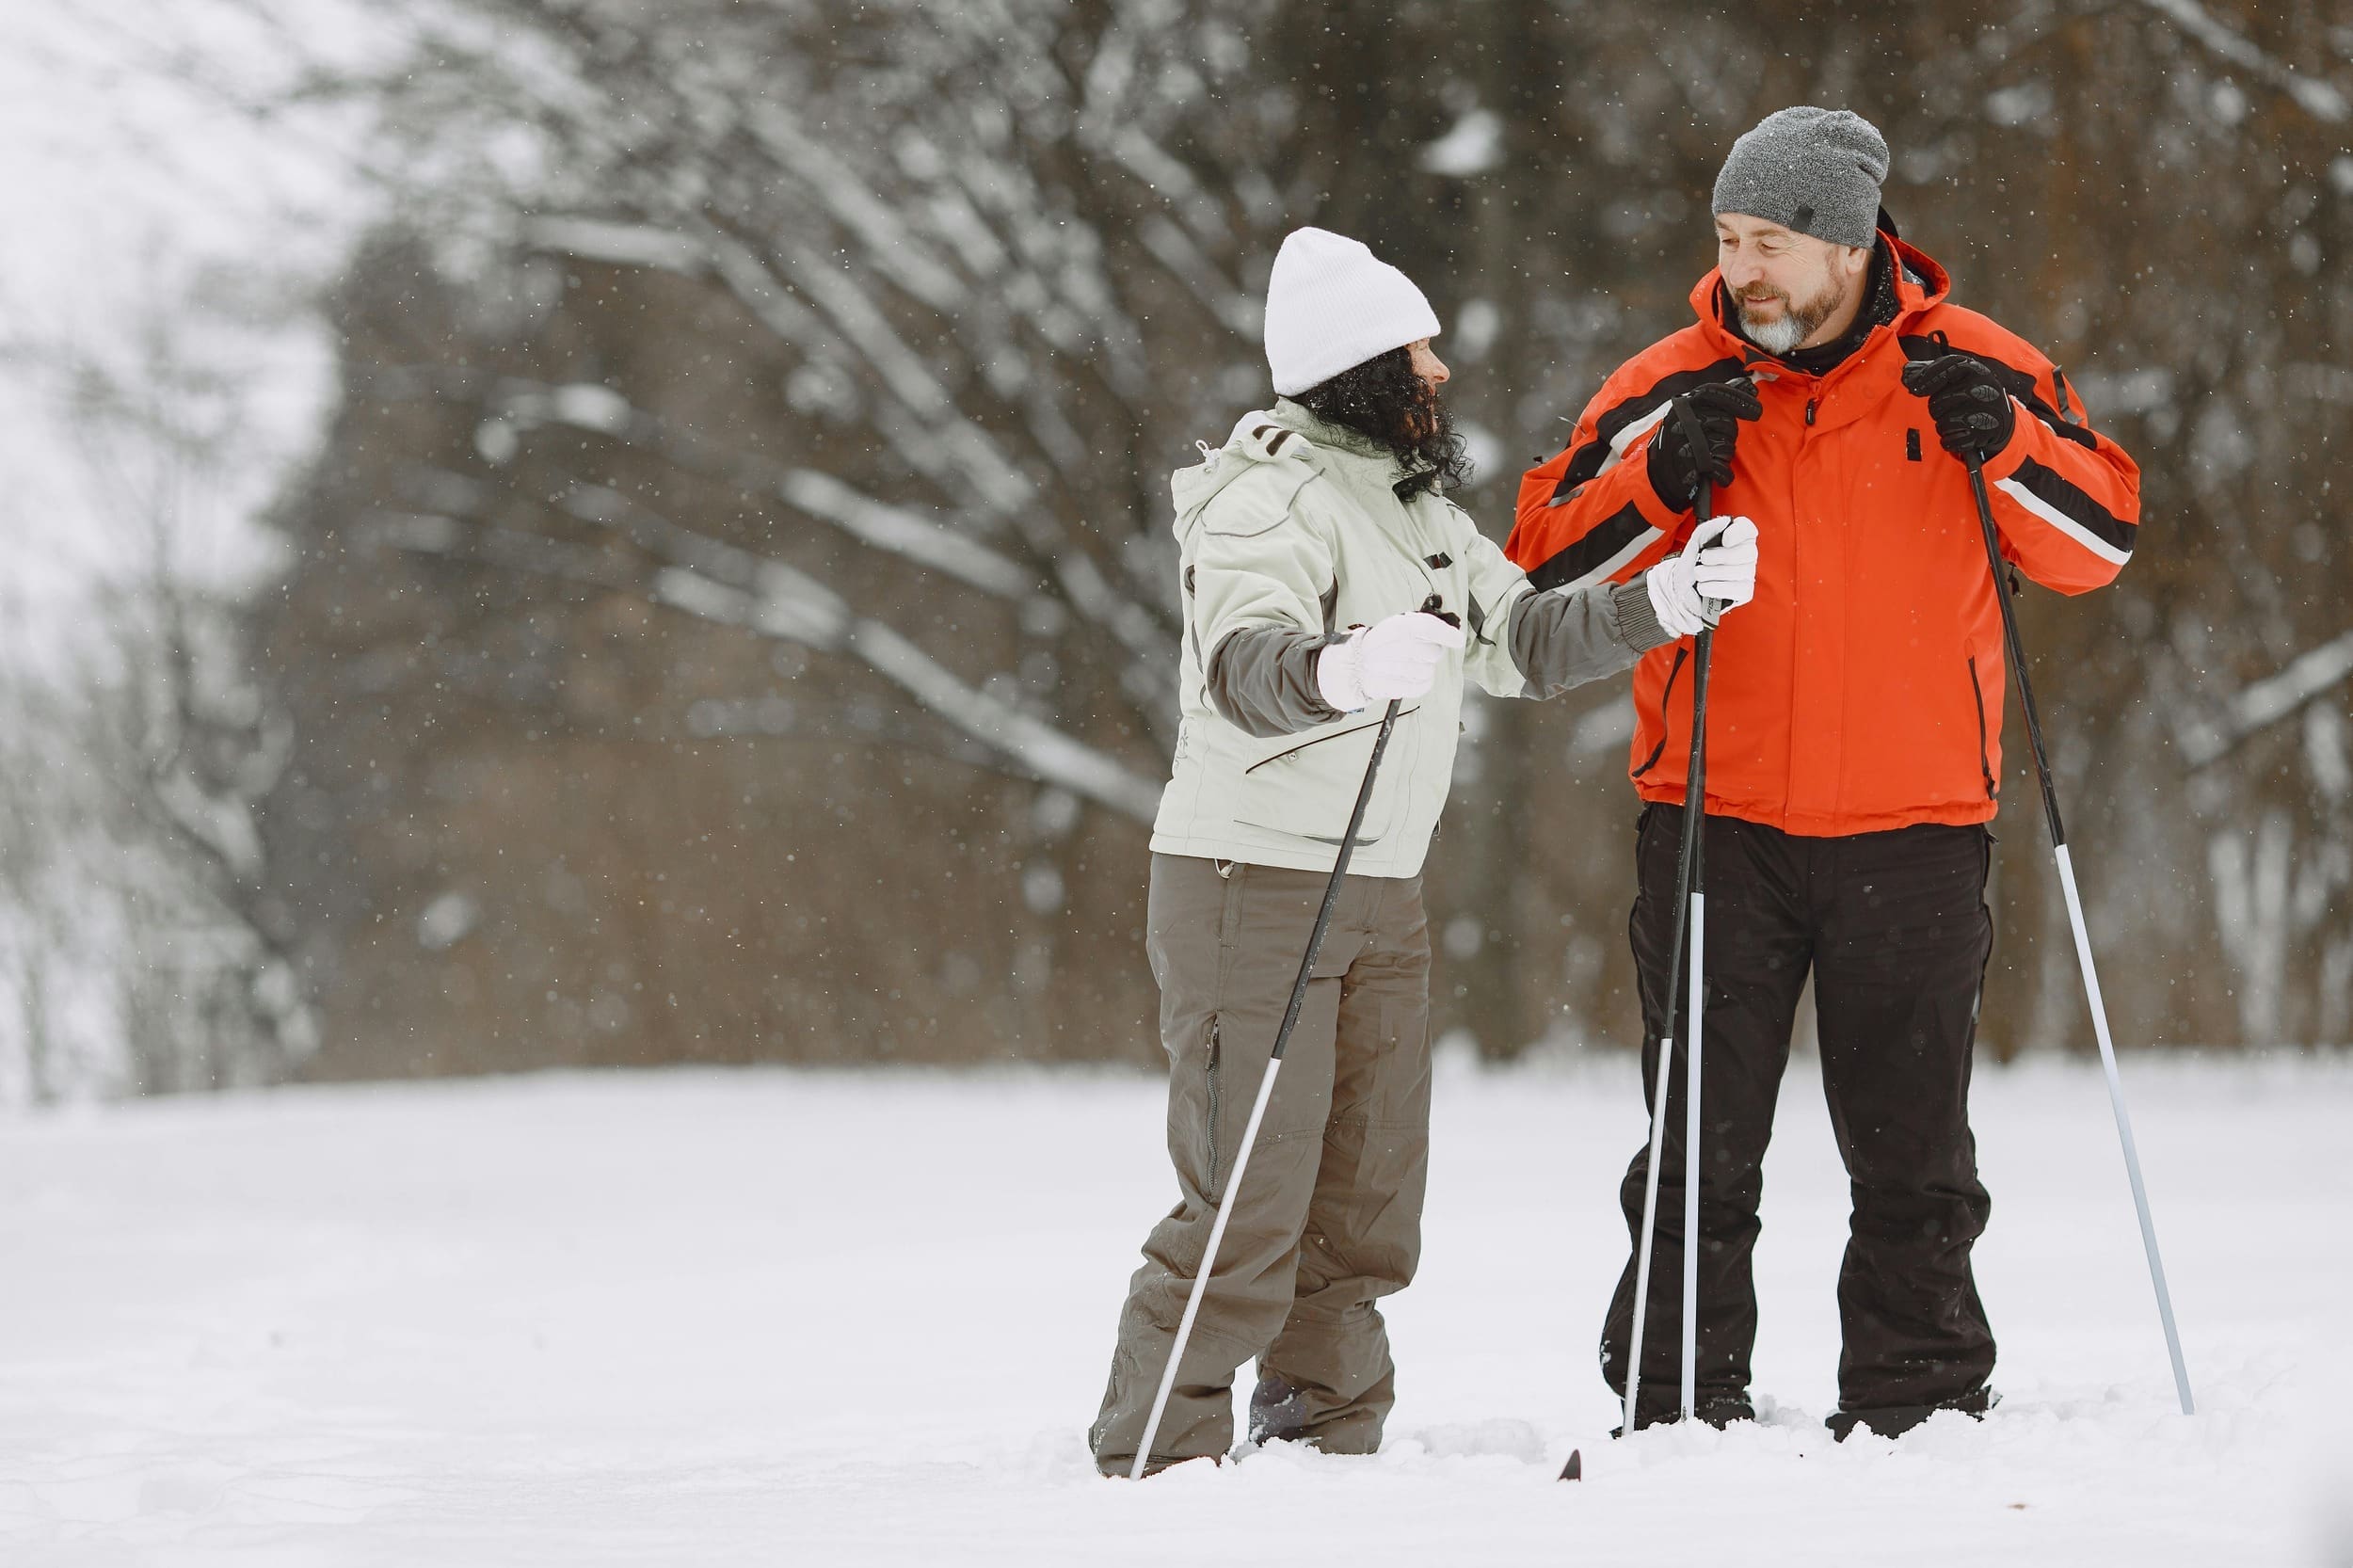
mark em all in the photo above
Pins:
pixel 721 606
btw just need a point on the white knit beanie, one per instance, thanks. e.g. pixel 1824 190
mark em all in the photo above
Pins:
pixel 1331 305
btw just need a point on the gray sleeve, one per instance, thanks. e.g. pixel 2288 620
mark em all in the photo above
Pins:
pixel 1565 638
pixel 1262 680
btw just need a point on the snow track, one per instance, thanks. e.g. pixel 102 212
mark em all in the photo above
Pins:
pixel 707 1319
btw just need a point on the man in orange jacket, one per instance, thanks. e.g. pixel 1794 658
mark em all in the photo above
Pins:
pixel 1854 734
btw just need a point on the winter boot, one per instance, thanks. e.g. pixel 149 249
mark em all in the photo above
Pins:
pixel 1717 1410
pixel 1278 1412
pixel 1895 1419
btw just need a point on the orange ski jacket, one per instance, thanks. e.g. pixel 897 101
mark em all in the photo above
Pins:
pixel 1862 689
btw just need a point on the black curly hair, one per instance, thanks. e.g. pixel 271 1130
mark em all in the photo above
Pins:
pixel 1385 399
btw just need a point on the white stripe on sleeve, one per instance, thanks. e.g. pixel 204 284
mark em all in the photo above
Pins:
pixel 1611 568
pixel 2061 521
pixel 1632 433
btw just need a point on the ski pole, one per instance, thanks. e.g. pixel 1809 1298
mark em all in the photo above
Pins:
pixel 2083 938
pixel 1266 1089
pixel 1691 909
pixel 1694 852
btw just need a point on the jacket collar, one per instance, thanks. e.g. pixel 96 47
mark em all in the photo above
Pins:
pixel 1331 437
pixel 1921 284
pixel 1286 436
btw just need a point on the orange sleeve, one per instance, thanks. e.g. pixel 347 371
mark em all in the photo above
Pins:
pixel 2066 499
pixel 1589 515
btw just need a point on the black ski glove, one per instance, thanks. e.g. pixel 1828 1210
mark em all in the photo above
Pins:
pixel 1674 467
pixel 1971 406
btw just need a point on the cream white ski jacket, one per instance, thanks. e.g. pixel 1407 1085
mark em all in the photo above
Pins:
pixel 1289 536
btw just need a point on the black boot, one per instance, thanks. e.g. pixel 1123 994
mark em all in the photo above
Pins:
pixel 1278 1412
pixel 1895 1419
pixel 1721 1410
pixel 1717 1410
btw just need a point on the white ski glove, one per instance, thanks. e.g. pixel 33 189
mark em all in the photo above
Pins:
pixel 1393 658
pixel 1719 564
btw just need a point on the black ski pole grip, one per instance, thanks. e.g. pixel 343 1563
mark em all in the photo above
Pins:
pixel 1702 488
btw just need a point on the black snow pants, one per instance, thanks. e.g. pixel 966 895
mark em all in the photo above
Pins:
pixel 1894 928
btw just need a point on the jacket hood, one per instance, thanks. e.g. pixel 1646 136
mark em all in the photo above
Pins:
pixel 1921 284
pixel 1256 440
pixel 1286 440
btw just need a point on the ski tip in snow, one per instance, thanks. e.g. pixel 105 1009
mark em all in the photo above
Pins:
pixel 1574 1468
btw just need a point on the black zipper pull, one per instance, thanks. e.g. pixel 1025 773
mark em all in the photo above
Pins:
pixel 1809 410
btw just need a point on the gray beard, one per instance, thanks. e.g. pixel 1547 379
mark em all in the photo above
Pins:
pixel 1778 336
pixel 1796 323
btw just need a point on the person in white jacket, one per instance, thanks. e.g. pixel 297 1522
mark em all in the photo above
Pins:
pixel 1324 574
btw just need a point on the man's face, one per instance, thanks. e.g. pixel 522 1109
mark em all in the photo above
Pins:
pixel 1785 286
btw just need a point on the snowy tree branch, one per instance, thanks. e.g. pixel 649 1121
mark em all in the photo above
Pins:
pixel 731 586
pixel 2267 701
pixel 599 410
pixel 2319 99
pixel 1084 586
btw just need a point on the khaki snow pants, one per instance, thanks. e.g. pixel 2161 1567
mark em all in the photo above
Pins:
pixel 1329 1215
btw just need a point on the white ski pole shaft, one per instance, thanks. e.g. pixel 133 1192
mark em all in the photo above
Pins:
pixel 1201 1276
pixel 2124 1126
pixel 2017 649
pixel 1691 1159
pixel 1650 1228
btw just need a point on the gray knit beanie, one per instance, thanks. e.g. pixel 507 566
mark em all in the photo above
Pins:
pixel 1814 170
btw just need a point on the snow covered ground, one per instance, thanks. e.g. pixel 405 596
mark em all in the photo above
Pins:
pixel 836 1319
